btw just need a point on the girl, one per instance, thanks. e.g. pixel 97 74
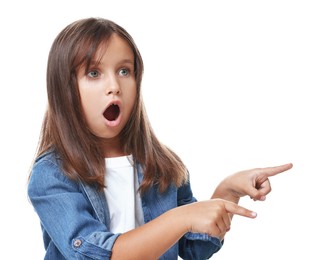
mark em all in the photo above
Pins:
pixel 102 184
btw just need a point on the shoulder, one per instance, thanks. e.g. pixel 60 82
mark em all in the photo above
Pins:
pixel 47 175
pixel 49 158
pixel 46 165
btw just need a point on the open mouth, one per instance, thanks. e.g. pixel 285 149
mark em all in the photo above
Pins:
pixel 112 112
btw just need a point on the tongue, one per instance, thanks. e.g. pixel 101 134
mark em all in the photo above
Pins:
pixel 111 113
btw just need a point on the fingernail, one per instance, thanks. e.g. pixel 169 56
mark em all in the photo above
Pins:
pixel 263 198
pixel 253 214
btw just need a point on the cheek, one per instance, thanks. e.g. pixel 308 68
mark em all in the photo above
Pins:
pixel 131 98
pixel 90 106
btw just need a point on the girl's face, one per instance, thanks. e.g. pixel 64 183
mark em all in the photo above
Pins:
pixel 108 89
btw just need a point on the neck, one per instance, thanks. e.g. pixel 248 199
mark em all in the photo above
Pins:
pixel 112 148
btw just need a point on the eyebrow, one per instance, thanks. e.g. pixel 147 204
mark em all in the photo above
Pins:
pixel 96 62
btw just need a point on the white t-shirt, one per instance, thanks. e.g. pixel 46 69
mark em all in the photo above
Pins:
pixel 124 202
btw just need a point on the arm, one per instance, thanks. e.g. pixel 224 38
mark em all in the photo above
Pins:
pixel 151 240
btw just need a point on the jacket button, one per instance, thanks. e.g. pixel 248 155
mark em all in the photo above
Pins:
pixel 77 243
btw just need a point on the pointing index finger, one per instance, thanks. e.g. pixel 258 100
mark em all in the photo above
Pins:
pixel 239 210
pixel 272 171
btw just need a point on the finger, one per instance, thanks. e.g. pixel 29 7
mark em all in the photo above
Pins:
pixel 224 222
pixel 272 171
pixel 259 197
pixel 260 191
pixel 238 210
pixel 221 227
pixel 227 222
pixel 215 231
pixel 264 188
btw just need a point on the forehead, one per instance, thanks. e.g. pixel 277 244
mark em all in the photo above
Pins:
pixel 116 48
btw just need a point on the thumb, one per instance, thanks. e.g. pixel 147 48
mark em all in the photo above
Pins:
pixel 255 193
pixel 234 208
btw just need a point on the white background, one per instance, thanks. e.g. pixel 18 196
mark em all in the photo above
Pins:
pixel 225 86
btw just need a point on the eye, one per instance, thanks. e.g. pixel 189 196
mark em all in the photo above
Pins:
pixel 124 72
pixel 93 74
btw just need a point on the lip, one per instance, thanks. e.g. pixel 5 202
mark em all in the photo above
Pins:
pixel 116 122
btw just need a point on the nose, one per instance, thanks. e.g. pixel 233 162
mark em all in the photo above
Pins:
pixel 113 87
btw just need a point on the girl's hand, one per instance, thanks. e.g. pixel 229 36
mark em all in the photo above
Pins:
pixel 212 216
pixel 254 183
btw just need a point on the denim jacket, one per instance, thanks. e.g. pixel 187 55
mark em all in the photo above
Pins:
pixel 75 218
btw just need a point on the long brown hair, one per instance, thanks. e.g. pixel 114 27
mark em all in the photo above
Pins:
pixel 65 129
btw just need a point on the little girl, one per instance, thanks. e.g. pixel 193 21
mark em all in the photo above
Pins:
pixel 102 184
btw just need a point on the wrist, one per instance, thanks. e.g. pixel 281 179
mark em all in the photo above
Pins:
pixel 225 192
pixel 183 218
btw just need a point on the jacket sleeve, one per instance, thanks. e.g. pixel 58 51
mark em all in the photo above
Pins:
pixel 68 221
pixel 195 246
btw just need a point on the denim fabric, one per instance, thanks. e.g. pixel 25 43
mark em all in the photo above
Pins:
pixel 75 219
